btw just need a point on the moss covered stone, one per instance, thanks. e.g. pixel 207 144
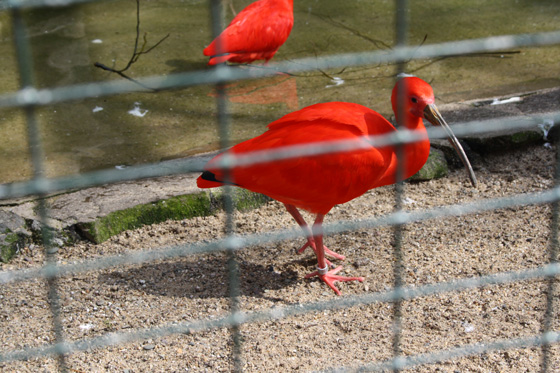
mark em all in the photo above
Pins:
pixel 13 235
pixel 435 167
pixel 175 208
pixel 9 245
pixel 242 199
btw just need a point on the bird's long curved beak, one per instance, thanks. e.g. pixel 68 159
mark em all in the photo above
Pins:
pixel 431 113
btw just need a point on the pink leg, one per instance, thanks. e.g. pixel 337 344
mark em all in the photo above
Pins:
pixel 329 277
pixel 308 235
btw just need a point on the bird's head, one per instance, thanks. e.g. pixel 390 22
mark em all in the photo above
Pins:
pixel 410 97
pixel 413 100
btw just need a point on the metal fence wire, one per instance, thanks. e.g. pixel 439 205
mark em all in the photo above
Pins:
pixel 29 98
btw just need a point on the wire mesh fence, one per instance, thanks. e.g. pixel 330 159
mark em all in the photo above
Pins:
pixel 29 98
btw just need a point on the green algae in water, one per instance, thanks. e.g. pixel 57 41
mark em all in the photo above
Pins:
pixel 100 133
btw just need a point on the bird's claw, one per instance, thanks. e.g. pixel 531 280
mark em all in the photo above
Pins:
pixel 328 251
pixel 331 277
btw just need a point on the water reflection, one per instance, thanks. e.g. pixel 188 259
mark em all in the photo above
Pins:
pixel 277 89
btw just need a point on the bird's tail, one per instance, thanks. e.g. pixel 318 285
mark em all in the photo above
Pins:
pixel 215 56
pixel 216 59
pixel 219 59
pixel 208 180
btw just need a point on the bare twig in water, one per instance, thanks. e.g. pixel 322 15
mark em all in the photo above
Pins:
pixel 498 54
pixel 136 54
pixel 418 46
pixel 330 76
pixel 380 44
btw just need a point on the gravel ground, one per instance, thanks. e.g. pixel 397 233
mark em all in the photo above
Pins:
pixel 191 288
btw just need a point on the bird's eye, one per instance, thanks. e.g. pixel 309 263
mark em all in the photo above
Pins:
pixel 414 100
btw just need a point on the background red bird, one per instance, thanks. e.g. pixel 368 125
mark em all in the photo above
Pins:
pixel 317 183
pixel 255 33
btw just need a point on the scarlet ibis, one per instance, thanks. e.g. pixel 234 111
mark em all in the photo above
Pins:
pixel 317 183
pixel 255 33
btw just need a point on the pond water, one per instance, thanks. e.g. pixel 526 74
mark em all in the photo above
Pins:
pixel 138 128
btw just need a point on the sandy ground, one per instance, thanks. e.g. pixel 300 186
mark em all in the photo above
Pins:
pixel 195 287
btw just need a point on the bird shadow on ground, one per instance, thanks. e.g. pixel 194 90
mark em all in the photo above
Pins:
pixel 205 277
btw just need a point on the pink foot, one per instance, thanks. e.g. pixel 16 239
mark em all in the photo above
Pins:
pixel 330 277
pixel 328 251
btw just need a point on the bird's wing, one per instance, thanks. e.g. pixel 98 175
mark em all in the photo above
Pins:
pixel 257 28
pixel 318 182
pixel 344 114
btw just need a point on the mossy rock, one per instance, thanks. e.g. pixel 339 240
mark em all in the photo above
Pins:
pixel 9 244
pixel 242 199
pixel 13 235
pixel 175 208
pixel 436 167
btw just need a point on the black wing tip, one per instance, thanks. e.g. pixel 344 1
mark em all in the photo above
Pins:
pixel 210 176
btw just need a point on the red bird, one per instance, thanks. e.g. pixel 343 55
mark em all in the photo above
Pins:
pixel 255 33
pixel 318 183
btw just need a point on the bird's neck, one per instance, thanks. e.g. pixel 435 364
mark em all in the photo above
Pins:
pixel 416 153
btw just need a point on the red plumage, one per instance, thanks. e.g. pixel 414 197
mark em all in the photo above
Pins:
pixel 317 183
pixel 255 33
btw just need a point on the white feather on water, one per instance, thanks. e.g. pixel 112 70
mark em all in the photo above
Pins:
pixel 337 81
pixel 136 111
pixel 505 101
